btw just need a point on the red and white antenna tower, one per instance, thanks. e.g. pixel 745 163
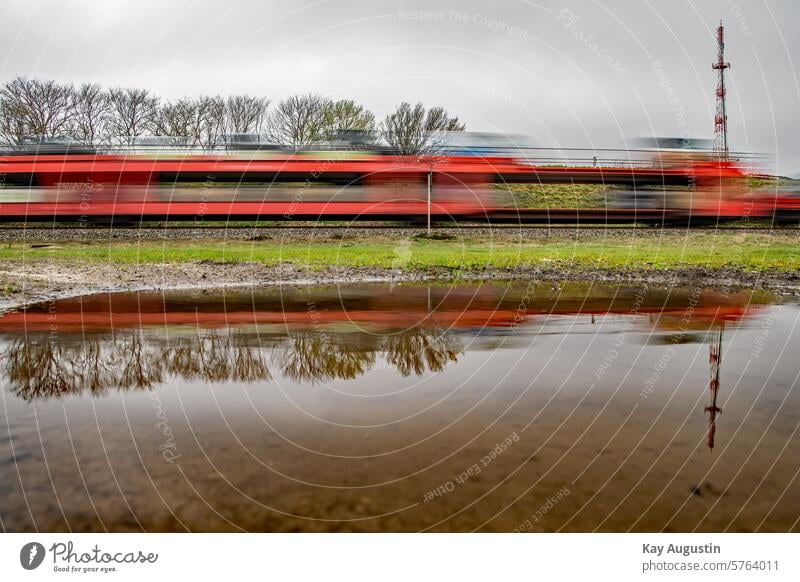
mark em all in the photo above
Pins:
pixel 721 117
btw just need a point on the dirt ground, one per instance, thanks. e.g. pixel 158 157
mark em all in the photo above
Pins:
pixel 25 283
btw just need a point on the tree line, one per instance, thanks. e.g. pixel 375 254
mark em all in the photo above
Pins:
pixel 98 117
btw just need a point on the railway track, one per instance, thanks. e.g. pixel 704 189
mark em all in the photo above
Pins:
pixel 46 236
pixel 477 227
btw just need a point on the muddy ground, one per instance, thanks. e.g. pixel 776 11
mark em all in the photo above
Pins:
pixel 24 283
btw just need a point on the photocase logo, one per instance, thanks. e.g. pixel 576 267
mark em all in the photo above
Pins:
pixel 66 558
pixel 31 555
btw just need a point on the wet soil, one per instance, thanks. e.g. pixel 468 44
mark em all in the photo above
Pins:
pixel 46 279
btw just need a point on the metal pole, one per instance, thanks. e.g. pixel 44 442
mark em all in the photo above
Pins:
pixel 430 181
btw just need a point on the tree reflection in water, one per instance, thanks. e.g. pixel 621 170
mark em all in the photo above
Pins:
pixel 37 367
pixel 305 336
pixel 310 357
pixel 414 350
pixel 129 360
pixel 216 357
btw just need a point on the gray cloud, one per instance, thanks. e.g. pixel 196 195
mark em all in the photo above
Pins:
pixel 575 73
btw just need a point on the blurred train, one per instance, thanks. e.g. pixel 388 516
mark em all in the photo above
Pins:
pixel 250 180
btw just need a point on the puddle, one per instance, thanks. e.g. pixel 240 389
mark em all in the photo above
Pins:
pixel 494 407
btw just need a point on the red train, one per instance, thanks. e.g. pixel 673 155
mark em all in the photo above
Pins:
pixel 340 185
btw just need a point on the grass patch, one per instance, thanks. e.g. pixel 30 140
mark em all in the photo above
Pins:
pixel 753 252
pixel 770 182
pixel 551 195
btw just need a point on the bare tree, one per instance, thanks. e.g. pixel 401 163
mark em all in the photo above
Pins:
pixel 245 114
pixel 92 110
pixel 12 123
pixel 210 122
pixel 95 117
pixel 30 107
pixel 197 122
pixel 178 120
pixel 133 114
pixel 299 120
pixel 346 115
pixel 417 131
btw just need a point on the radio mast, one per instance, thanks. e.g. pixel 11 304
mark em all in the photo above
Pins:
pixel 721 117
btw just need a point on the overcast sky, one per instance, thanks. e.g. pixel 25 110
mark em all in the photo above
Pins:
pixel 567 74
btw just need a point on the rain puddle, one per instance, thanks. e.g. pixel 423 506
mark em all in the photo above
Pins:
pixel 492 407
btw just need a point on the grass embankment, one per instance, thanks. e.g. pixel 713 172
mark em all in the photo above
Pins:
pixel 596 195
pixel 552 195
pixel 751 252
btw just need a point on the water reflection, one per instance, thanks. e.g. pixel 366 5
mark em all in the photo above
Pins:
pixel 715 360
pixel 128 360
pixel 137 340
pixel 131 359
pixel 344 408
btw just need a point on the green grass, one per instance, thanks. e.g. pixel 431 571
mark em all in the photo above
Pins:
pixel 552 195
pixel 592 195
pixel 770 182
pixel 753 252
